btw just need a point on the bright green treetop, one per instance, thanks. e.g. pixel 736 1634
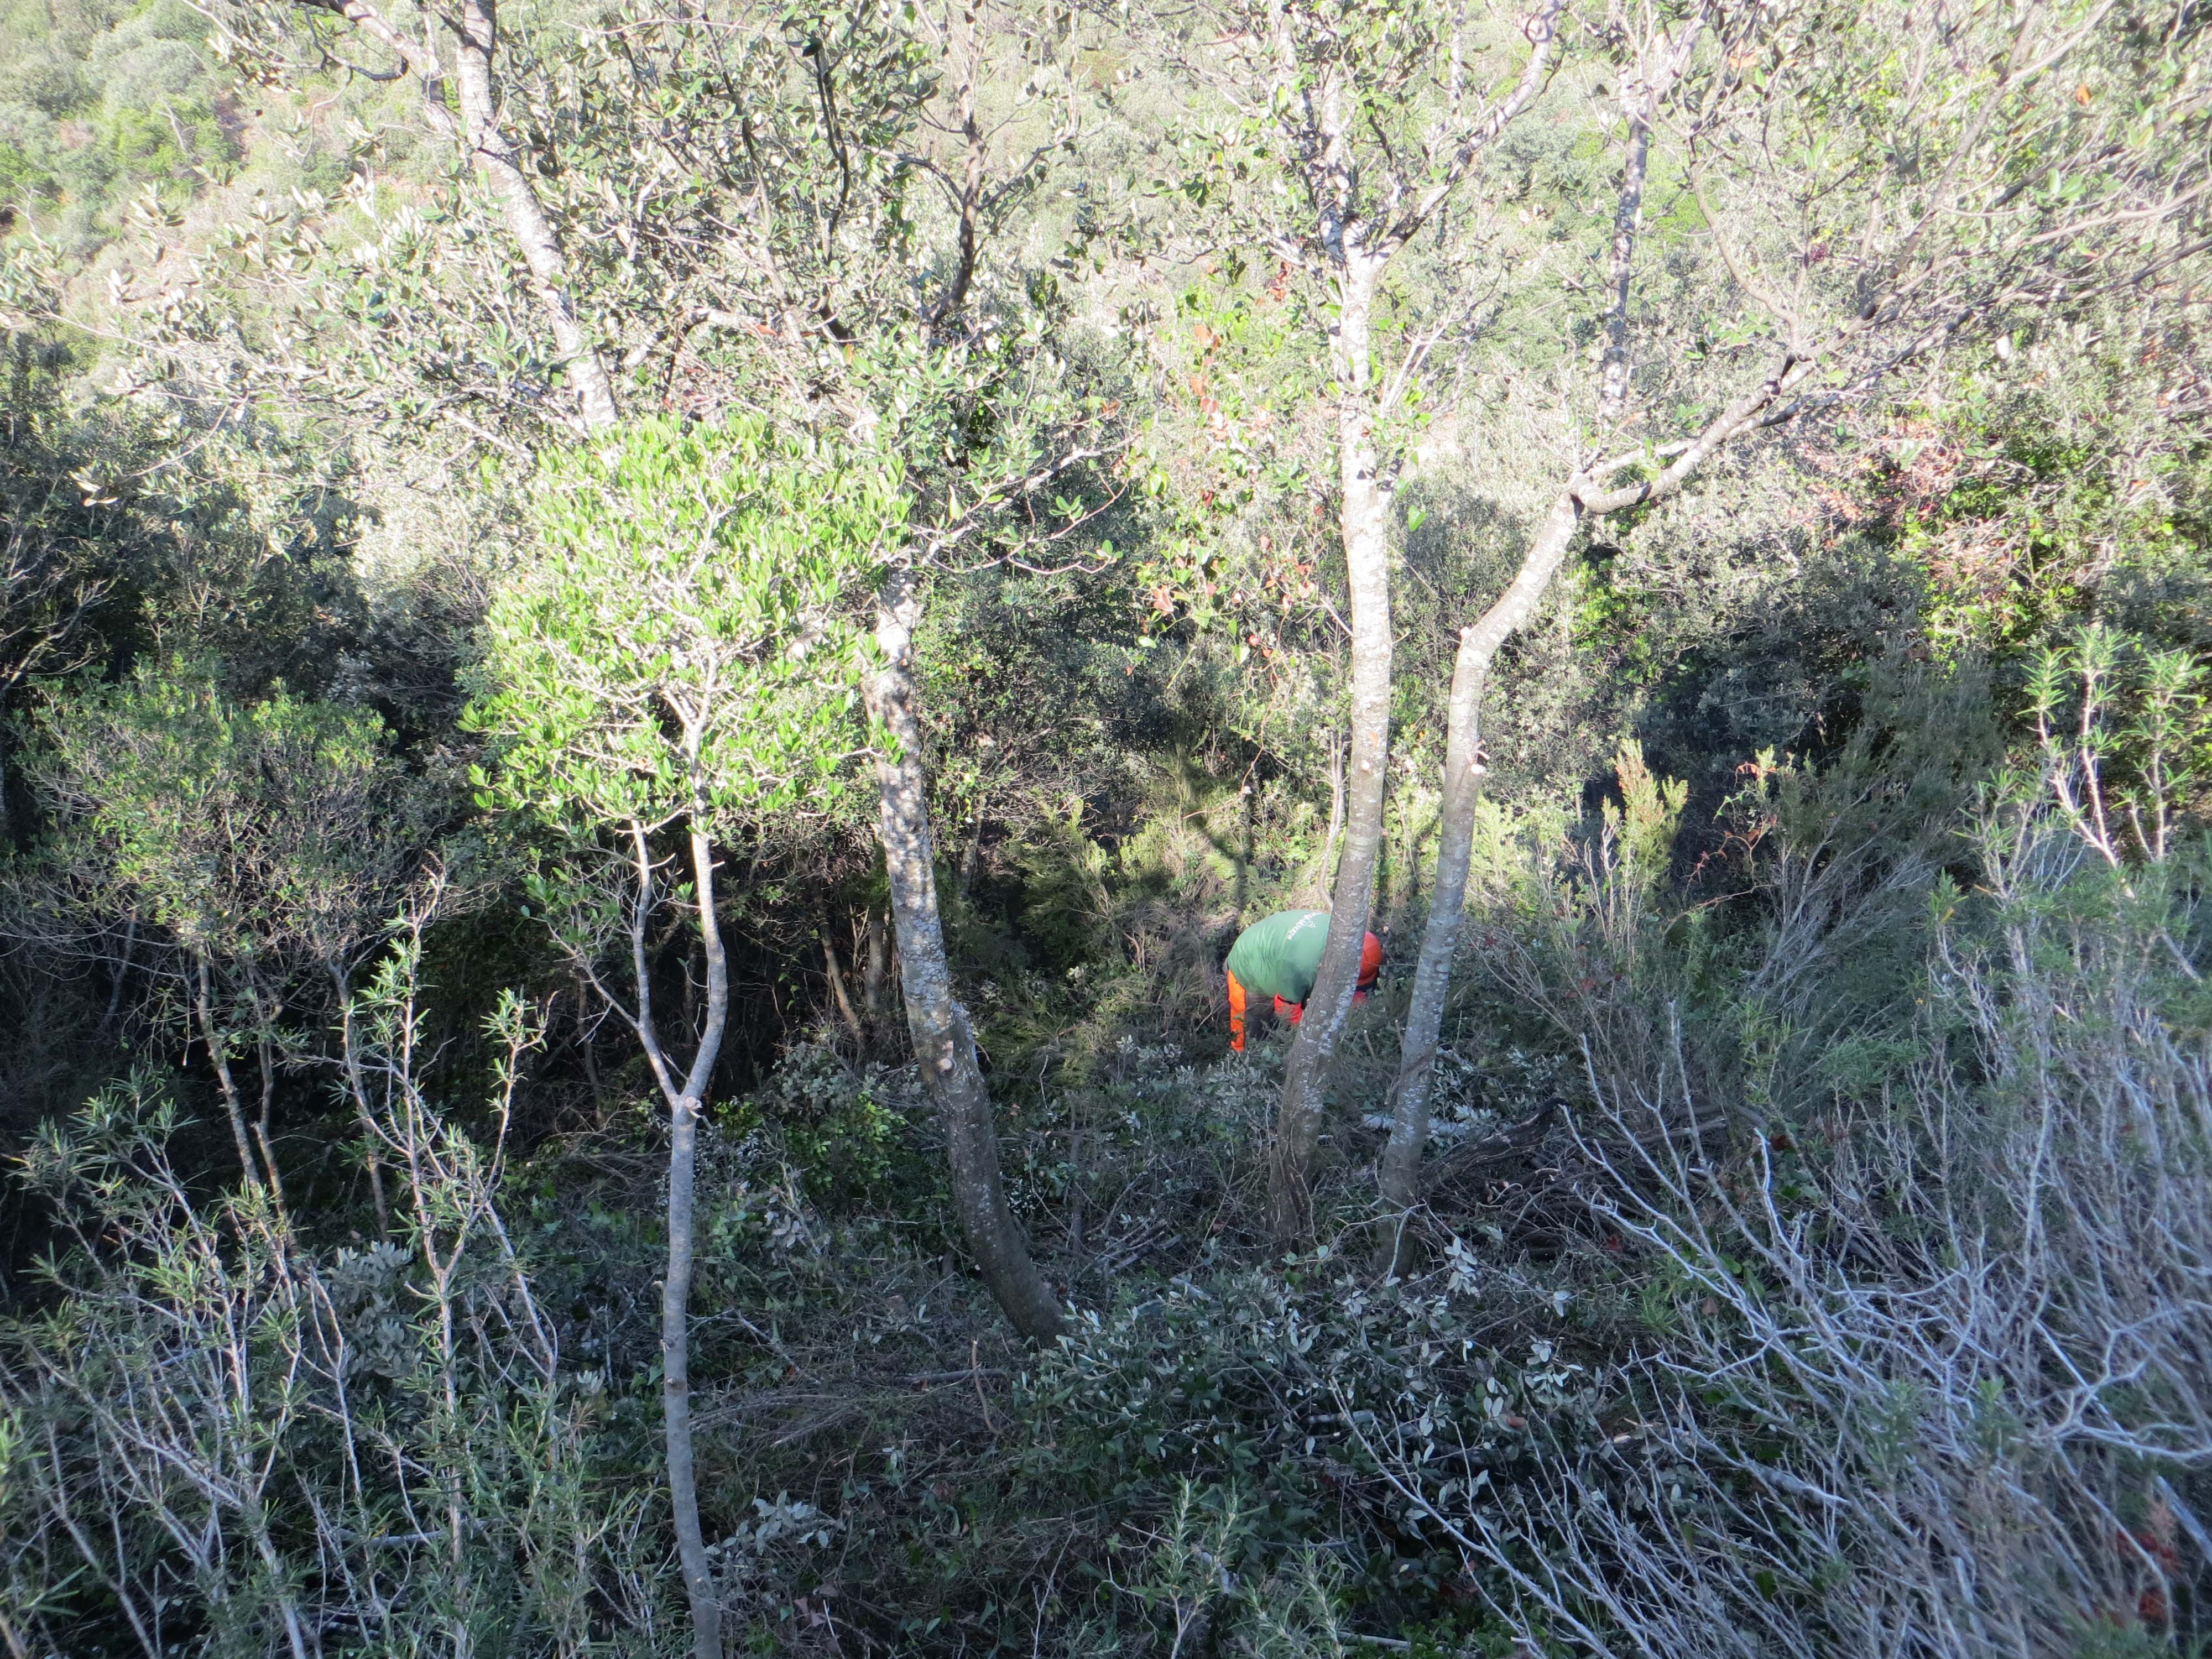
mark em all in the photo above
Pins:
pixel 684 646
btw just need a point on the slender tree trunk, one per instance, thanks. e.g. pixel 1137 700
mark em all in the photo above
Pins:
pixel 943 1046
pixel 1336 792
pixel 266 1052
pixel 587 1047
pixel 1613 380
pixel 121 973
pixel 1398 1179
pixel 1366 526
pixel 875 974
pixel 1477 646
pixel 972 854
pixel 676 1383
pixel 686 1097
pixel 1318 879
pixel 675 1289
pixel 838 993
pixel 203 1004
pixel 496 157
pixel 357 1088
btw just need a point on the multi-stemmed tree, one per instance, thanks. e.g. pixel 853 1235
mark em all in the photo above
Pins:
pixel 1334 136
pixel 879 300
pixel 676 664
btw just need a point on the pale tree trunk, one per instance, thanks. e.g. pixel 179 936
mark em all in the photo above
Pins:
pixel 1399 1177
pixel 1462 785
pixel 944 1048
pixel 1316 885
pixel 478 40
pixel 1335 793
pixel 686 1099
pixel 1612 379
pixel 1365 524
pixel 1318 113
pixel 676 1289
pixel 1478 648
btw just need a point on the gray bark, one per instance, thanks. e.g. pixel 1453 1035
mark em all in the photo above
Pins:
pixel 476 32
pixel 1359 250
pixel 1364 523
pixel 944 1048
pixel 1462 785
pixel 1478 647
pixel 1318 879
pixel 686 1098
pixel 1399 1177
pixel 478 40
pixel 1612 382
pixel 675 1384
pixel 1335 789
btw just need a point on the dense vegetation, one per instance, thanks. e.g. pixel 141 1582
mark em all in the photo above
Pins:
pixel 648 657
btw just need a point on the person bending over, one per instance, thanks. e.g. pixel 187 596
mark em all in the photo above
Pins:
pixel 1278 957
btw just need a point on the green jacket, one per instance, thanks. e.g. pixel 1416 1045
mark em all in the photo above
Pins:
pixel 1279 956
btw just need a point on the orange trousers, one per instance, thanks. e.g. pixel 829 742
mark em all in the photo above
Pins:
pixel 1288 1011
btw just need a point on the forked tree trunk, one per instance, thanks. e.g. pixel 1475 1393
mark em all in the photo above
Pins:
pixel 265 1053
pixel 943 1046
pixel 686 1098
pixel 1479 645
pixel 1398 1179
pixel 676 1295
pixel 1462 785
pixel 1365 524
pixel 495 158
